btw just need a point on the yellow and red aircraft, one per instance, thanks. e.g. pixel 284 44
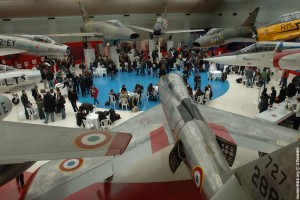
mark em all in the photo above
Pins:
pixel 286 27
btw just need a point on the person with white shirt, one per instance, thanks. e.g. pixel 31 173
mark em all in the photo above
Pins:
pixel 297 115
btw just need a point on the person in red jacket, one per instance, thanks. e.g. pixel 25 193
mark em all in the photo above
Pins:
pixel 94 92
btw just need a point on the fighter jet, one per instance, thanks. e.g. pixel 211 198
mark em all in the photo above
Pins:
pixel 283 55
pixel 286 27
pixel 31 44
pixel 112 31
pixel 204 138
pixel 220 36
pixel 13 79
pixel 160 28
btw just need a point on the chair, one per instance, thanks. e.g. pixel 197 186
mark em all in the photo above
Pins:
pixel 147 95
pixel 94 108
pixel 105 123
pixel 112 100
pixel 104 72
pixel 31 113
pixel 207 97
pixel 124 102
pixel 199 100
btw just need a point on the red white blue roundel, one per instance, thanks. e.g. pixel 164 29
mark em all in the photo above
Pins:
pixel 70 164
pixel 93 140
pixel 198 177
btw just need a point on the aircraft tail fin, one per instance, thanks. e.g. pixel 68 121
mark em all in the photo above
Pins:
pixel 84 14
pixel 273 176
pixel 250 21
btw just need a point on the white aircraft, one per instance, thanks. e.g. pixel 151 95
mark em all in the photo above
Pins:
pixel 284 55
pixel 205 140
pixel 160 28
pixel 110 31
pixel 31 44
pixel 13 79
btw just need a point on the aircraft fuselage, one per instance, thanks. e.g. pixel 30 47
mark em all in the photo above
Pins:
pixel 110 30
pixel 202 154
pixel 34 45
pixel 223 37
pixel 263 54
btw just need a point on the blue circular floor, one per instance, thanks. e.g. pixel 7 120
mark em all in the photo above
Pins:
pixel 104 84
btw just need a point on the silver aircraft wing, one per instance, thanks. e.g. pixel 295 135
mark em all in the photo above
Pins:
pixel 151 133
pixel 247 132
pixel 10 51
pixel 77 35
pixel 185 31
pixel 142 28
pixel 21 142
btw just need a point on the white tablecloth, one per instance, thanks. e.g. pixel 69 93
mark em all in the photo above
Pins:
pixel 92 118
pixel 215 74
pixel 63 91
pixel 276 114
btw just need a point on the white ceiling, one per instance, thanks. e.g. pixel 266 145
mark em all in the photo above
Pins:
pixel 53 8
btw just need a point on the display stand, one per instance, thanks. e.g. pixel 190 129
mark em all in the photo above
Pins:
pixel 114 56
pixel 89 55
pixel 151 47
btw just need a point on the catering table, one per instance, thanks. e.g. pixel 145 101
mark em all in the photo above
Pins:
pixel 215 74
pixel 276 114
pixel 92 120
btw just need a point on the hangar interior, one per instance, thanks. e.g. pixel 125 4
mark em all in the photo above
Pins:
pixel 141 179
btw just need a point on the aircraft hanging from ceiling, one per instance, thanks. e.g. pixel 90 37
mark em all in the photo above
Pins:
pixel 40 45
pixel 285 55
pixel 160 28
pixel 220 36
pixel 205 139
pixel 112 31
pixel 286 27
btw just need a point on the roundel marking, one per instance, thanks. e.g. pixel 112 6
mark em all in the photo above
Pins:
pixel 69 165
pixel 93 140
pixel 198 177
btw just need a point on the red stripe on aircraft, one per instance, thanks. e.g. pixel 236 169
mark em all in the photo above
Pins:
pixel 280 55
pixel 119 144
pixel 159 139
pixel 221 131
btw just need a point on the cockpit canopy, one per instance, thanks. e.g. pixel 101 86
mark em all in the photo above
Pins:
pixel 214 31
pixel 287 18
pixel 38 38
pixel 258 47
pixel 160 20
pixel 116 23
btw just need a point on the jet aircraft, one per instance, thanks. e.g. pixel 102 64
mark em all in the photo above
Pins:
pixel 205 140
pixel 112 31
pixel 263 54
pixel 286 27
pixel 220 36
pixel 31 44
pixel 160 28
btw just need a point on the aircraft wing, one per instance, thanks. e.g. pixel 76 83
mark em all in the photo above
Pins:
pixel 10 51
pixel 38 142
pixel 184 31
pixel 77 35
pixel 274 176
pixel 151 133
pixel 142 28
pixel 247 132
pixel 231 40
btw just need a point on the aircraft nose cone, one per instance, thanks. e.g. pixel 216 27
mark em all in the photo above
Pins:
pixel 196 44
pixel 134 36
pixel 68 50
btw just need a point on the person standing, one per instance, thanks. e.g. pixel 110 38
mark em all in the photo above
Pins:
pixel 197 81
pixel 94 93
pixel 272 96
pixel 35 92
pixel 82 83
pixel 60 106
pixel 249 76
pixel 264 77
pixel 72 95
pixel 40 106
pixel 49 106
pixel 26 103
pixel 50 79
pixel 297 115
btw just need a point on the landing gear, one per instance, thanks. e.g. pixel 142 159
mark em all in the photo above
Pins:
pixel 15 100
